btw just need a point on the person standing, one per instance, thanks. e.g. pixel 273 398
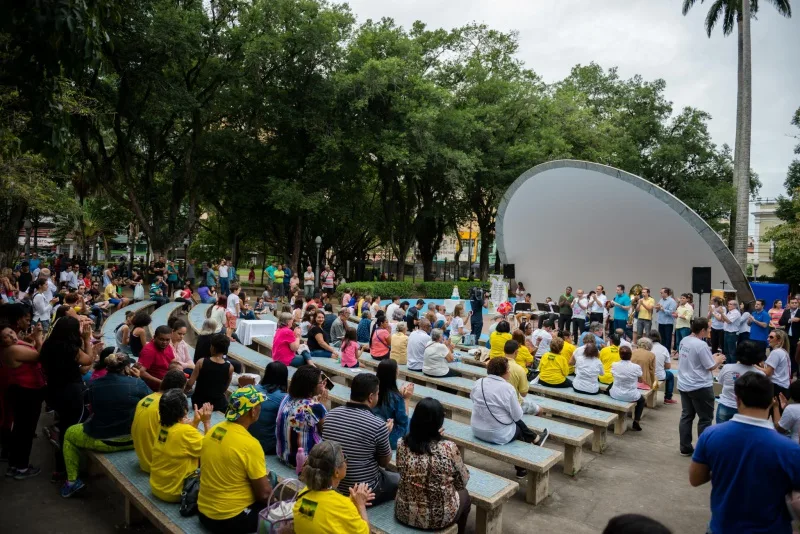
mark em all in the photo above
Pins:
pixel 748 360
pixel 762 459
pixel 277 285
pixel 579 307
pixel 308 282
pixel 478 300
pixel 622 306
pixel 666 307
pixel 715 311
pixel 759 324
pixel 190 271
pixel 778 367
pixel 730 325
pixel 789 321
pixel 683 320
pixel 644 310
pixel 775 313
pixel 224 280
pixel 328 280
pixel 597 303
pixel 565 309
pixel 696 383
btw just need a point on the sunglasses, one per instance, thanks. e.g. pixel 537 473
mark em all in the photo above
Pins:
pixel 772 337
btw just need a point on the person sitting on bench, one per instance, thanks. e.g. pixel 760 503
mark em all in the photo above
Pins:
pixel 554 367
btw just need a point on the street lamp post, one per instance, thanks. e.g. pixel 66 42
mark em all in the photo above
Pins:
pixel 28 226
pixel 318 242
pixel 755 271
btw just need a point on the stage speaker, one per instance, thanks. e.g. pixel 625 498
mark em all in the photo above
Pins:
pixel 701 279
pixel 509 271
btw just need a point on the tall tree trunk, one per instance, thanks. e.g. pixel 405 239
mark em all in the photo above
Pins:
pixel 294 261
pixel 12 220
pixel 742 159
pixel 738 141
pixel 486 243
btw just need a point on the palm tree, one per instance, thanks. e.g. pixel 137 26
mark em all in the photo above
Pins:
pixel 739 12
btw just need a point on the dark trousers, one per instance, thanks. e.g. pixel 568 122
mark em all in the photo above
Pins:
pixel 717 340
pixel 700 403
pixel 564 321
pixel 793 353
pixel 731 338
pixel 567 383
pixel 27 407
pixel 578 326
pixel 665 331
pixel 669 385
pixel 637 412
pixel 476 322
pixel 548 317
pixel 224 286
pixel 596 318
pixel 160 301
pixel 681 333
pixel 620 324
pixel 67 401
pixel 386 489
pixel 244 523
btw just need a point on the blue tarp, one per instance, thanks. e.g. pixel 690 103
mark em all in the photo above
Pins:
pixel 770 292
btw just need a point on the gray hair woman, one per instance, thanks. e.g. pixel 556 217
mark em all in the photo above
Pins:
pixel 325 467
pixel 437 356
pixel 202 348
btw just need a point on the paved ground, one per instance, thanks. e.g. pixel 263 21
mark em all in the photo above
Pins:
pixel 640 472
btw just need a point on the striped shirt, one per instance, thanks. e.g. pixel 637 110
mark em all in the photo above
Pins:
pixel 364 438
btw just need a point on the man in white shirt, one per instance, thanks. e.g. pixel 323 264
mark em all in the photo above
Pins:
pixel 390 309
pixel 662 366
pixel 224 280
pixel 696 383
pixel 417 341
pixel 541 339
pixel 597 305
pixel 730 325
pixel 579 306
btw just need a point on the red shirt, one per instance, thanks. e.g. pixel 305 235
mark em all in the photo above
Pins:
pixel 155 361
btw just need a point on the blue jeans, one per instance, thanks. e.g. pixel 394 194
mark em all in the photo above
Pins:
pixel 681 333
pixel 321 354
pixel 724 413
pixel 620 324
pixel 476 321
pixel 669 385
pixel 665 331
pixel 300 359
pixel 224 286
pixel 731 340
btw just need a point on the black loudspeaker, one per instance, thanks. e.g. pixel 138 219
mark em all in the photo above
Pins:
pixel 701 279
pixel 509 271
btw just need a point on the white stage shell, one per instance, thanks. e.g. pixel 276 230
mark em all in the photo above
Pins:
pixel 580 224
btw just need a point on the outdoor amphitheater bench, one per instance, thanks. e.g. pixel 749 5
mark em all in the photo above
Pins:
pixel 118 317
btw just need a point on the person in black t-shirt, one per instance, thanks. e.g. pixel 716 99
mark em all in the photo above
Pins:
pixel 24 277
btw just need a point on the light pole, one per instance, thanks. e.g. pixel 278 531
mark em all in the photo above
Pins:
pixel 755 271
pixel 318 242
pixel 28 226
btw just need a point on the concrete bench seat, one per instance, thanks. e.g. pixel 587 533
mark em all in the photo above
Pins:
pixel 118 317
pixel 161 316
pixel 599 419
pixel 197 315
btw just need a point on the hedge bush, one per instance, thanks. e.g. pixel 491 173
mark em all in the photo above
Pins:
pixel 431 290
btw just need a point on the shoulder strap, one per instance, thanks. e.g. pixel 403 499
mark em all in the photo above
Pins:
pixel 487 406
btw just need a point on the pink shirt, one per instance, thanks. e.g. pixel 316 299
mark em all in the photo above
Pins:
pixel 380 343
pixel 281 352
pixel 181 351
pixel 349 353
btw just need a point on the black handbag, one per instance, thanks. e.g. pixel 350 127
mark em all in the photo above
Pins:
pixel 525 434
pixel 191 489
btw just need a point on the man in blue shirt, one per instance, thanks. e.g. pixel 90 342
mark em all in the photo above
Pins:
pixel 750 466
pixel 666 321
pixel 759 325
pixel 621 303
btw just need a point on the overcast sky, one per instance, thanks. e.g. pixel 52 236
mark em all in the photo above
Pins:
pixel 651 38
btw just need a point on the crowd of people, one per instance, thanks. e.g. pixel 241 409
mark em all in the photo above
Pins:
pixel 153 396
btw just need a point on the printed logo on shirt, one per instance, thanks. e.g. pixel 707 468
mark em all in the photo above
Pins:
pixel 218 434
pixel 147 402
pixel 308 508
pixel 162 435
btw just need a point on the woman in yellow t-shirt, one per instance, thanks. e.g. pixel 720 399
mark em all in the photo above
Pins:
pixel 568 350
pixel 320 509
pixel 524 356
pixel 553 367
pixel 609 355
pixel 497 341
pixel 176 449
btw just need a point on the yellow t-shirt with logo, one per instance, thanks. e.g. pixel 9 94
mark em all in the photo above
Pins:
pixel 497 342
pixel 323 512
pixel 608 355
pixel 567 351
pixel 110 292
pixel 524 356
pixel 518 378
pixel 144 429
pixel 645 314
pixel 553 368
pixel 176 453
pixel 231 458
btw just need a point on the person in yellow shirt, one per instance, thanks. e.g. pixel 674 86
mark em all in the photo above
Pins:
pixel 146 421
pixel 553 367
pixel 319 508
pixel 524 356
pixel 609 355
pixel 234 486
pixel 568 350
pixel 176 451
pixel 518 377
pixel 497 341
pixel 644 318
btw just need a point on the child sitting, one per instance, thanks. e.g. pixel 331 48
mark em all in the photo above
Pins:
pixel 350 349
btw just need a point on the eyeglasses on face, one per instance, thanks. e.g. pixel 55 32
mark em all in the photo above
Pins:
pixel 772 337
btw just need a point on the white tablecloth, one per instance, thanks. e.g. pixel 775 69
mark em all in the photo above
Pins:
pixel 248 329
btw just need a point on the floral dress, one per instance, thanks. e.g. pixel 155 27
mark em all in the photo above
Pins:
pixel 427 496
pixel 297 426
